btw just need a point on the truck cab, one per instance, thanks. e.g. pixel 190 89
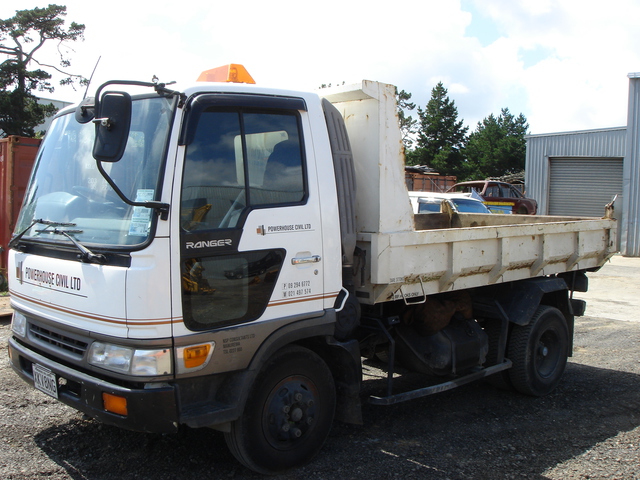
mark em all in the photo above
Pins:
pixel 173 258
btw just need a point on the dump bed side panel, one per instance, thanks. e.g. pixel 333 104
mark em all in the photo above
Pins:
pixel 413 264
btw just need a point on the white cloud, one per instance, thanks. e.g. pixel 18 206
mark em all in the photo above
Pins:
pixel 590 47
pixel 562 63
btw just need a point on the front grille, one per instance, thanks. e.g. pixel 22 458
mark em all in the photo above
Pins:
pixel 58 340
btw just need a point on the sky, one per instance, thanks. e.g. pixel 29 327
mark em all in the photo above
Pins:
pixel 561 63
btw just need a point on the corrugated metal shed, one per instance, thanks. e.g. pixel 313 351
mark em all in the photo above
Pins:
pixel 594 181
pixel 630 228
pixel 587 144
pixel 597 148
pixel 606 143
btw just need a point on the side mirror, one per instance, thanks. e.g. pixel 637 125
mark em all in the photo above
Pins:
pixel 113 120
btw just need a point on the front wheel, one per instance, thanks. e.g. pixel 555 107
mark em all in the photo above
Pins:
pixel 288 414
pixel 539 352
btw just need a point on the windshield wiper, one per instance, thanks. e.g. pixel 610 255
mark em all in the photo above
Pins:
pixel 15 240
pixel 86 255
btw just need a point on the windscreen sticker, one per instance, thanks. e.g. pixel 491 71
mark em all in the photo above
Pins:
pixel 141 218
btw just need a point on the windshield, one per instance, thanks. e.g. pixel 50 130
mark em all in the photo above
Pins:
pixel 462 205
pixel 465 205
pixel 429 206
pixel 67 188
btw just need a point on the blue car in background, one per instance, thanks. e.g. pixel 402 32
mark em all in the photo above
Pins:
pixel 430 202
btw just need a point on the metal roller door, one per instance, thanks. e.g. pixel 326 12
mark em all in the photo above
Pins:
pixel 583 186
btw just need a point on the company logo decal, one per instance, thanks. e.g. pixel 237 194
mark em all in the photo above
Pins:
pixel 19 272
pixel 293 227
pixel 45 278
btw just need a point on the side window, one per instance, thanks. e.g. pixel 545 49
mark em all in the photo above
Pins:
pixel 212 181
pixel 274 158
pixel 228 289
pixel 514 192
pixel 240 159
pixel 493 191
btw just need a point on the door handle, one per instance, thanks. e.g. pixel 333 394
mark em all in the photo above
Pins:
pixel 303 260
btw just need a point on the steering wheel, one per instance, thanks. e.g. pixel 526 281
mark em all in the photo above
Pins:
pixel 230 219
pixel 93 196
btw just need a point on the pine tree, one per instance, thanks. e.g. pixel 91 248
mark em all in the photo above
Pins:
pixel 498 146
pixel 21 37
pixel 441 136
pixel 407 123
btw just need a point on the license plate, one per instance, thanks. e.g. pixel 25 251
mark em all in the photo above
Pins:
pixel 45 380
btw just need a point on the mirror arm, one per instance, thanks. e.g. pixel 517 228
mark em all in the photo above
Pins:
pixel 161 89
pixel 104 122
pixel 161 208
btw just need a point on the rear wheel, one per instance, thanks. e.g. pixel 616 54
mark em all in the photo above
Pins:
pixel 539 352
pixel 288 414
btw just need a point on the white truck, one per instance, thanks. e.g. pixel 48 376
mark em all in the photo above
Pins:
pixel 202 257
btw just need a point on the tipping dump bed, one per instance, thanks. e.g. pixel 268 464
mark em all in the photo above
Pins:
pixel 471 250
pixel 411 256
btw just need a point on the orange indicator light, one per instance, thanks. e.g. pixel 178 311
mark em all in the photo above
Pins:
pixel 196 355
pixel 233 73
pixel 114 404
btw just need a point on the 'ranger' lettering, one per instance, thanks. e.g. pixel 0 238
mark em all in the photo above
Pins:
pixel 209 243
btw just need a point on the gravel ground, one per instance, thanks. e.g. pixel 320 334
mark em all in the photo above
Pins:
pixel 589 428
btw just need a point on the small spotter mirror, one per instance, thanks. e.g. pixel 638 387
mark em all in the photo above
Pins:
pixel 86 110
pixel 112 126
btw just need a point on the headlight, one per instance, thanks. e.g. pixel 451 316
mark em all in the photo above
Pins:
pixel 129 360
pixel 111 357
pixel 151 362
pixel 19 324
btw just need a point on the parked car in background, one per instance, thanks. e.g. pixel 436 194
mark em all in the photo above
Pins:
pixel 500 197
pixel 429 202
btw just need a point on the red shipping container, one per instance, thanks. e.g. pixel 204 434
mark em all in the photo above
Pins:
pixel 17 155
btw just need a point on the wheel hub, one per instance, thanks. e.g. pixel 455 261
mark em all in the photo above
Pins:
pixel 548 354
pixel 290 412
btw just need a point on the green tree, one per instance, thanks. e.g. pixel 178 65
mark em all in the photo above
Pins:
pixel 407 122
pixel 497 147
pixel 21 37
pixel 441 136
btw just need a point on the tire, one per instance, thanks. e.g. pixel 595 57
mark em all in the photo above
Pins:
pixel 288 414
pixel 522 211
pixel 539 352
pixel 492 328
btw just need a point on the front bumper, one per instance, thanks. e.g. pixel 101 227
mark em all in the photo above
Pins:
pixel 151 410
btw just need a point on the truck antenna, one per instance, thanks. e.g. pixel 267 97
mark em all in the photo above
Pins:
pixel 91 78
